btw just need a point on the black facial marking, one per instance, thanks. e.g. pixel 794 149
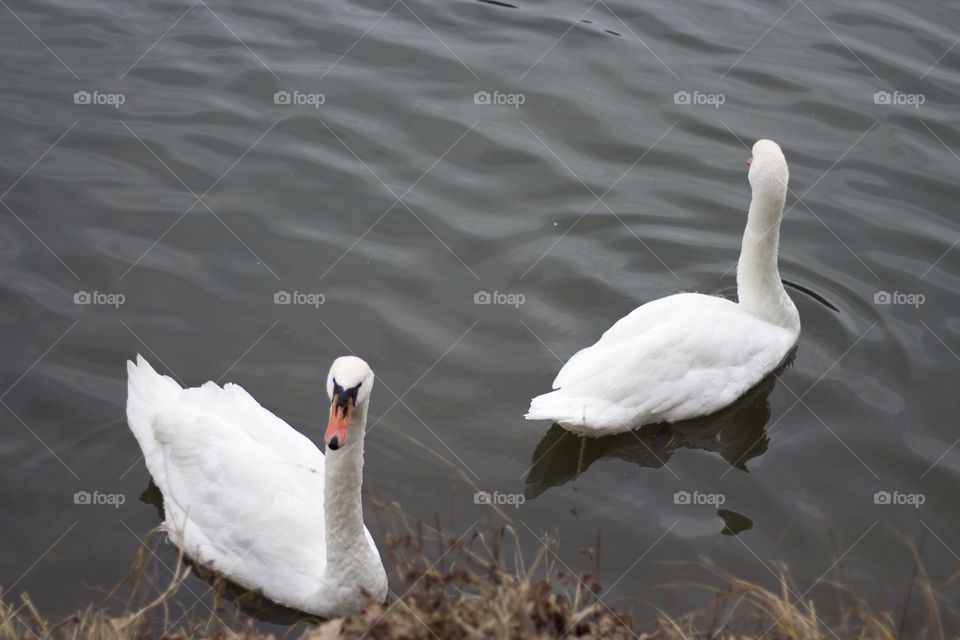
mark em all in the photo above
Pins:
pixel 341 397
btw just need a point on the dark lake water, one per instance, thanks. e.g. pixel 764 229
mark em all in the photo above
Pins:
pixel 168 168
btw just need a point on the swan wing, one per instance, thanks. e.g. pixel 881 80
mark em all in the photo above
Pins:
pixel 243 491
pixel 235 406
pixel 648 317
pixel 148 392
pixel 670 359
pixel 242 508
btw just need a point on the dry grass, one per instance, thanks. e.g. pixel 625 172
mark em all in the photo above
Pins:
pixel 480 587
pixel 23 620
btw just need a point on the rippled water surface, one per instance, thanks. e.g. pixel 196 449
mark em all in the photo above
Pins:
pixel 607 169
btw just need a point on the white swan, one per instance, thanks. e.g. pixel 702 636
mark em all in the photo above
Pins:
pixel 689 354
pixel 251 498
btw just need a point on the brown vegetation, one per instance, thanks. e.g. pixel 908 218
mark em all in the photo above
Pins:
pixel 475 588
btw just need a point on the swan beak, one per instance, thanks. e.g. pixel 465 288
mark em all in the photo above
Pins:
pixel 749 160
pixel 340 415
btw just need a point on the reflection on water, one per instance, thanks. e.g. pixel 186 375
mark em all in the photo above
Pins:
pixel 152 495
pixel 736 433
pixel 733 522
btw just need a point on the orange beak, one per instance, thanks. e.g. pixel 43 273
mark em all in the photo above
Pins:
pixel 749 160
pixel 339 423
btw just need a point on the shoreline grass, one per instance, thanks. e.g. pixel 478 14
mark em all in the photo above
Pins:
pixel 480 587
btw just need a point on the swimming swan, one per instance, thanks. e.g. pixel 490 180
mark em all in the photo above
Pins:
pixel 255 500
pixel 688 354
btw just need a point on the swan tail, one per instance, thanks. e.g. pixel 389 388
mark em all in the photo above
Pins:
pixel 147 393
pixel 554 406
pixel 579 415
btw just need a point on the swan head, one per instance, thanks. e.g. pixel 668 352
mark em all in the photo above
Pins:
pixel 348 384
pixel 768 173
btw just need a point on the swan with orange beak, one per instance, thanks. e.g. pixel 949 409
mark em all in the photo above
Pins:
pixel 248 496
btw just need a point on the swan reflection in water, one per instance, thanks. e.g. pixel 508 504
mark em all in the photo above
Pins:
pixel 737 433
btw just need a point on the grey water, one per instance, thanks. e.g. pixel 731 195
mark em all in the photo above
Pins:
pixel 464 194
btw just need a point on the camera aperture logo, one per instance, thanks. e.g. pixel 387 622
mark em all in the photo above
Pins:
pixel 99 98
pixel 899 98
pixel 698 98
pixel 497 498
pixel 99 298
pixel 299 297
pixel 299 98
pixel 696 497
pixel 112 499
pixel 887 298
pixel 499 298
pixel 499 98
pixel 895 497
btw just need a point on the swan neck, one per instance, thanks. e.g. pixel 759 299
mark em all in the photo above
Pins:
pixel 343 506
pixel 759 288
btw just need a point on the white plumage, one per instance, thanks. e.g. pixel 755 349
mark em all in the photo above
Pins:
pixel 253 499
pixel 689 354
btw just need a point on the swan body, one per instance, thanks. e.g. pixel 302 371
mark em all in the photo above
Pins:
pixel 248 496
pixel 688 355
